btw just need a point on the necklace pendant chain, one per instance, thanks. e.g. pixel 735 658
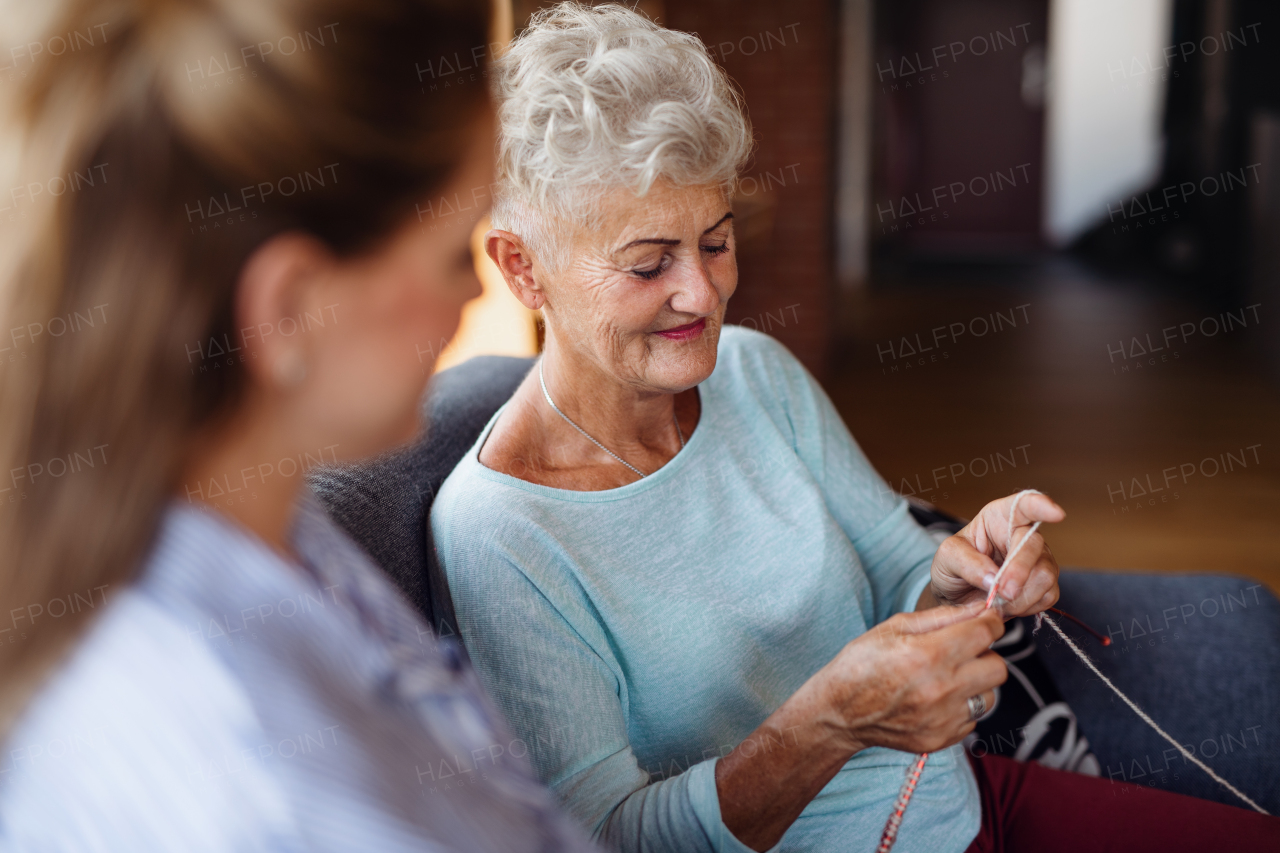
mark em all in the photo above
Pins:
pixel 542 379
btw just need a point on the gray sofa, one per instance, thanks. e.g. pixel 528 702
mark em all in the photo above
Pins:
pixel 1201 653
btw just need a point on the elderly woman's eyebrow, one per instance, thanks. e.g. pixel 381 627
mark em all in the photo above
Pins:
pixel 719 222
pixel 667 241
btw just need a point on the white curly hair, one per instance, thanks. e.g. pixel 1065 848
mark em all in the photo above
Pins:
pixel 592 99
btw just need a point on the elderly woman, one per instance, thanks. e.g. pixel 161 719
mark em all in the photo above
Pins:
pixel 671 563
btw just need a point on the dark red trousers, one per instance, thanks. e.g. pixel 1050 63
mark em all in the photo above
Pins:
pixel 1026 807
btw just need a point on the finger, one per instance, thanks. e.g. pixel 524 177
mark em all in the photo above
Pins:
pixel 985 672
pixel 1020 592
pixel 933 619
pixel 957 710
pixel 988 703
pixel 960 642
pixel 1028 605
pixel 1016 575
pixel 959 558
pixel 1016 516
pixel 1033 508
pixel 1041 585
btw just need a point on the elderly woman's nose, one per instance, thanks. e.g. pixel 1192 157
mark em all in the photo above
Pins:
pixel 696 293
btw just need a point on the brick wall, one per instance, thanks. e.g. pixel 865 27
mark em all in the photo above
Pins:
pixel 783 56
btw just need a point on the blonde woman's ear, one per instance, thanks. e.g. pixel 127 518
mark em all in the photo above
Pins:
pixel 279 285
pixel 289 368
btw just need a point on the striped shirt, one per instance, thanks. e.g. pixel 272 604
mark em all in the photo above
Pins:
pixel 231 700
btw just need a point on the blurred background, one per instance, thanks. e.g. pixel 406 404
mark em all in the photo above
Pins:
pixel 1022 243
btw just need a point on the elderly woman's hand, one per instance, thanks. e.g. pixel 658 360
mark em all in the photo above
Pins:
pixel 966 563
pixel 905 685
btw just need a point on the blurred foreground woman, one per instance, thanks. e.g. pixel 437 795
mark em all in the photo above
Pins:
pixel 215 278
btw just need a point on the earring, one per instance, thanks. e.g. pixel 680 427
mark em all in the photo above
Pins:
pixel 290 369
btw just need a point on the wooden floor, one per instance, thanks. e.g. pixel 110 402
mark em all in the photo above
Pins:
pixel 1171 466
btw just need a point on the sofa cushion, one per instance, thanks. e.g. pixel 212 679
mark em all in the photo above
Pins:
pixel 383 505
pixel 1200 654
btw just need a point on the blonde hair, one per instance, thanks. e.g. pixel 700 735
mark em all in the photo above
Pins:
pixel 142 121
pixel 592 99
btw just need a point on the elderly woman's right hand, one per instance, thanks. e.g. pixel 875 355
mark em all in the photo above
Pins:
pixel 904 685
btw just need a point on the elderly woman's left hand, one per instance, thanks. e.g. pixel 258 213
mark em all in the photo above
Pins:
pixel 967 562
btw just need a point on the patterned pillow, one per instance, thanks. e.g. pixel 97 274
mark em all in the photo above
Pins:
pixel 1029 721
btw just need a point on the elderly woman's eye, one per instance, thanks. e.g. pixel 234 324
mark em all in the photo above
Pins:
pixel 653 273
pixel 717 250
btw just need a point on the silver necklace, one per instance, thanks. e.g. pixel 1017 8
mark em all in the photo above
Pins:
pixel 543 380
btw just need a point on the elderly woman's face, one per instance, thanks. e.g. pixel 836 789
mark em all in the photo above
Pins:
pixel 644 295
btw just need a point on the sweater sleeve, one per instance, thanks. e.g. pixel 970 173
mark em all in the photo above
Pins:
pixel 896 552
pixel 543 658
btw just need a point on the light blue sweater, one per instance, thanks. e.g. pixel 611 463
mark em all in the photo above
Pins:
pixel 636 635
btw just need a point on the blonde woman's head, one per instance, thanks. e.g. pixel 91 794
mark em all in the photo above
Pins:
pixel 232 190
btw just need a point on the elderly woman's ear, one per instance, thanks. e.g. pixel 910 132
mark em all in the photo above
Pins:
pixel 515 262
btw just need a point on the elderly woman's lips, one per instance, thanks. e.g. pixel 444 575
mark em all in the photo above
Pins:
pixel 685 332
